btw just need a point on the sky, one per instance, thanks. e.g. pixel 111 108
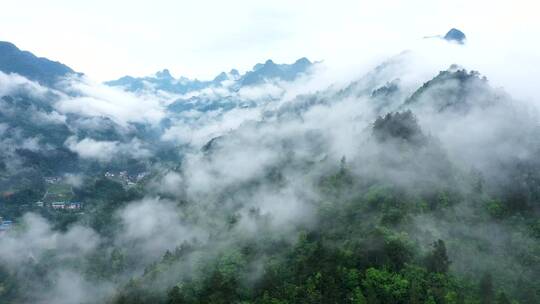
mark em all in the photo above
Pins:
pixel 108 39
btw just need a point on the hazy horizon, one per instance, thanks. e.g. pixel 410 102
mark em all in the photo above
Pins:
pixel 108 40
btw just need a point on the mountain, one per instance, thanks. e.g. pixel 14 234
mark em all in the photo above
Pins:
pixel 452 89
pixel 232 75
pixel 271 70
pixel 163 80
pixel 42 70
pixel 455 35
pixel 37 135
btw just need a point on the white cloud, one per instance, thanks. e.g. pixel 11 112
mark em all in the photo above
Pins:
pixel 14 83
pixel 106 150
pixel 90 148
pixel 93 99
pixel 37 237
pixel 153 226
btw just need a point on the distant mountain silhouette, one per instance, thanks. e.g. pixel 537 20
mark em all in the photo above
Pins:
pixel 42 70
pixel 163 80
pixel 455 35
pixel 271 70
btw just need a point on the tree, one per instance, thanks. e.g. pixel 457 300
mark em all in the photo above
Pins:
pixel 385 287
pixel 502 298
pixel 437 260
pixel 486 289
pixel 358 297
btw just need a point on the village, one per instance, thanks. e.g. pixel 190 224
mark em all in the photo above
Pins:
pixel 59 195
pixel 127 180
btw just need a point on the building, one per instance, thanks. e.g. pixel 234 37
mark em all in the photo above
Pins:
pixel 58 205
pixel 74 206
pixel 67 205
pixel 52 179
pixel 142 175
pixel 5 225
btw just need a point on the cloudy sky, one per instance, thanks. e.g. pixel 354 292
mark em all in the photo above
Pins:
pixel 107 39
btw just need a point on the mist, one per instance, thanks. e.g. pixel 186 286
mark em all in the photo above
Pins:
pixel 415 146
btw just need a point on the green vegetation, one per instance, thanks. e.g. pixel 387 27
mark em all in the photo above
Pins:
pixel 365 249
pixel 58 193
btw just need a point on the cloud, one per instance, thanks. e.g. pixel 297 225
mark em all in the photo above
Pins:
pixel 151 226
pixel 75 180
pixel 36 243
pixel 268 90
pixel 92 99
pixel 89 148
pixel 14 83
pixel 38 237
pixel 106 150
pixel 70 287
pixel 48 118
pixel 206 126
pixel 171 183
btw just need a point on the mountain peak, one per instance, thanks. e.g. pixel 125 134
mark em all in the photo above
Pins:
pixel 5 45
pixel 221 77
pixel 271 70
pixel 455 35
pixel 164 74
pixel 303 61
pixel 267 63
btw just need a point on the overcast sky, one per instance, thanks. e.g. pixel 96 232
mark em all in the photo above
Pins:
pixel 107 39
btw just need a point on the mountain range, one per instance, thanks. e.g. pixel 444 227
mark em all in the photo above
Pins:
pixel 163 80
pixel 401 184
